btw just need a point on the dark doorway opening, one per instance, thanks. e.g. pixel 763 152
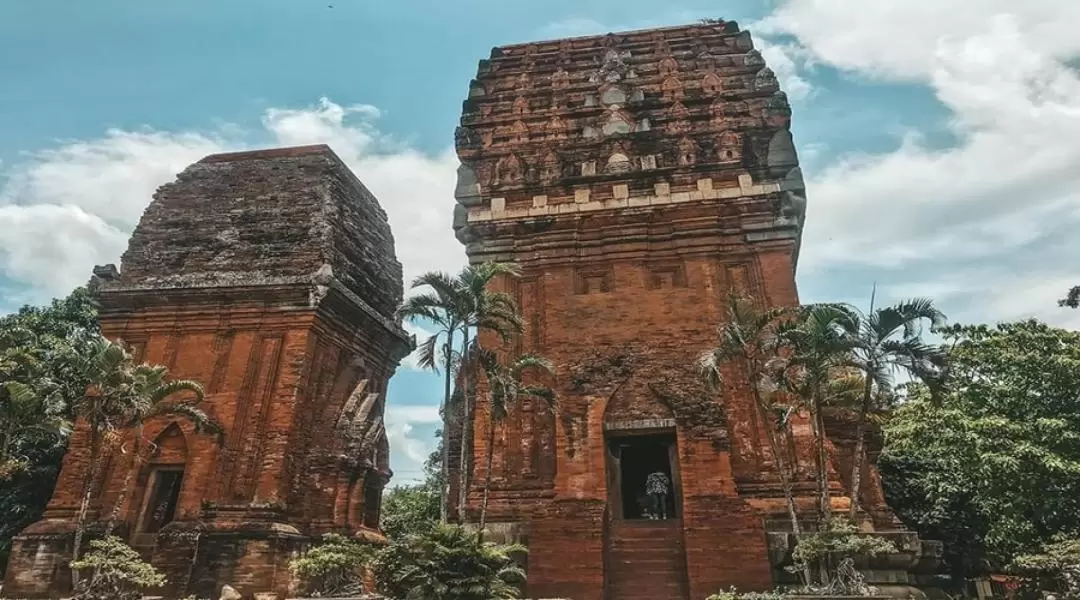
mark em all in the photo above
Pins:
pixel 161 503
pixel 638 457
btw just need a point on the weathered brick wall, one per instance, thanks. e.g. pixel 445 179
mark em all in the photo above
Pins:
pixel 637 179
pixel 270 278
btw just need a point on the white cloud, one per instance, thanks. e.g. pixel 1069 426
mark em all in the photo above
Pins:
pixel 785 60
pixel 993 216
pixel 412 361
pixel 901 39
pixel 66 209
pixel 409 451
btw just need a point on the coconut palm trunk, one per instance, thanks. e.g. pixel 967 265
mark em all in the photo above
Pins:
pixel 466 430
pixel 129 477
pixel 860 449
pixel 444 491
pixel 489 460
pixel 822 475
pixel 89 483
pixel 782 470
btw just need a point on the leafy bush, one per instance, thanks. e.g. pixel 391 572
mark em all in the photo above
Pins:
pixel 833 549
pixel 1057 566
pixel 334 567
pixel 448 563
pixel 116 572
pixel 410 509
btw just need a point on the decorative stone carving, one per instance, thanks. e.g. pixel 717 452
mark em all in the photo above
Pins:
pixel 668 67
pixel 556 128
pixel 521 106
pixel 729 147
pixel 618 163
pixel 711 84
pixel 765 81
pixel 671 89
pixel 753 59
pixel 613 95
pixel 618 123
pixel 687 152
pixel 509 170
pixel 550 168
pixel 777 106
pixel 560 79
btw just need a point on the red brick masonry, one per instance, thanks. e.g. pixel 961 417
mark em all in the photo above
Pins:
pixel 270 278
pixel 636 178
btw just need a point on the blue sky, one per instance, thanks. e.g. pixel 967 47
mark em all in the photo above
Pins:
pixel 938 136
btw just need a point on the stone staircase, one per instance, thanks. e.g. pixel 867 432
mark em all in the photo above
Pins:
pixel 646 561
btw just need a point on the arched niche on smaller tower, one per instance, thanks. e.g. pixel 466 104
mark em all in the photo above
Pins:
pixel 157 499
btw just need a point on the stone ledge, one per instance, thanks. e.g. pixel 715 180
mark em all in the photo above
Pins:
pixel 582 202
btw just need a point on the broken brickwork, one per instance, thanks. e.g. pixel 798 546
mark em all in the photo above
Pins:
pixel 269 277
pixel 636 179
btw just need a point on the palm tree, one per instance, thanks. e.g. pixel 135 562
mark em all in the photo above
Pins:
pixel 817 350
pixel 122 395
pixel 26 415
pixel 485 311
pixel 886 341
pixel 457 306
pixel 27 411
pixel 443 306
pixel 506 386
pixel 748 337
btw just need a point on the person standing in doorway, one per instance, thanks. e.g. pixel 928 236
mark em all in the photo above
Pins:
pixel 658 486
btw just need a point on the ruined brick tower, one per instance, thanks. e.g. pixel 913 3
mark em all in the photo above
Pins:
pixel 269 277
pixel 636 179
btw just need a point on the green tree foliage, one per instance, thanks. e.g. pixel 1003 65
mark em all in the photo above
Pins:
pixel 1071 299
pixel 334 567
pixel 122 395
pixel 410 509
pixel 414 509
pixel 1055 567
pixel 448 563
pixel 883 342
pixel 836 545
pixel 748 339
pixel 115 571
pixel 460 306
pixel 993 467
pixel 39 351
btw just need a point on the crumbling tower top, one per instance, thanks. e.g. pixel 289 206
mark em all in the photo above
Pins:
pixel 568 128
pixel 278 217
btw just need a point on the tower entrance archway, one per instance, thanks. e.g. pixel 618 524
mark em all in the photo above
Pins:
pixel 643 482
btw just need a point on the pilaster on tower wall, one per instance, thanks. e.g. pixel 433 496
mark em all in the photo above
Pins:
pixel 270 278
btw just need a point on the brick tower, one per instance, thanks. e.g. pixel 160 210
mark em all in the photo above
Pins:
pixel 636 179
pixel 270 278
